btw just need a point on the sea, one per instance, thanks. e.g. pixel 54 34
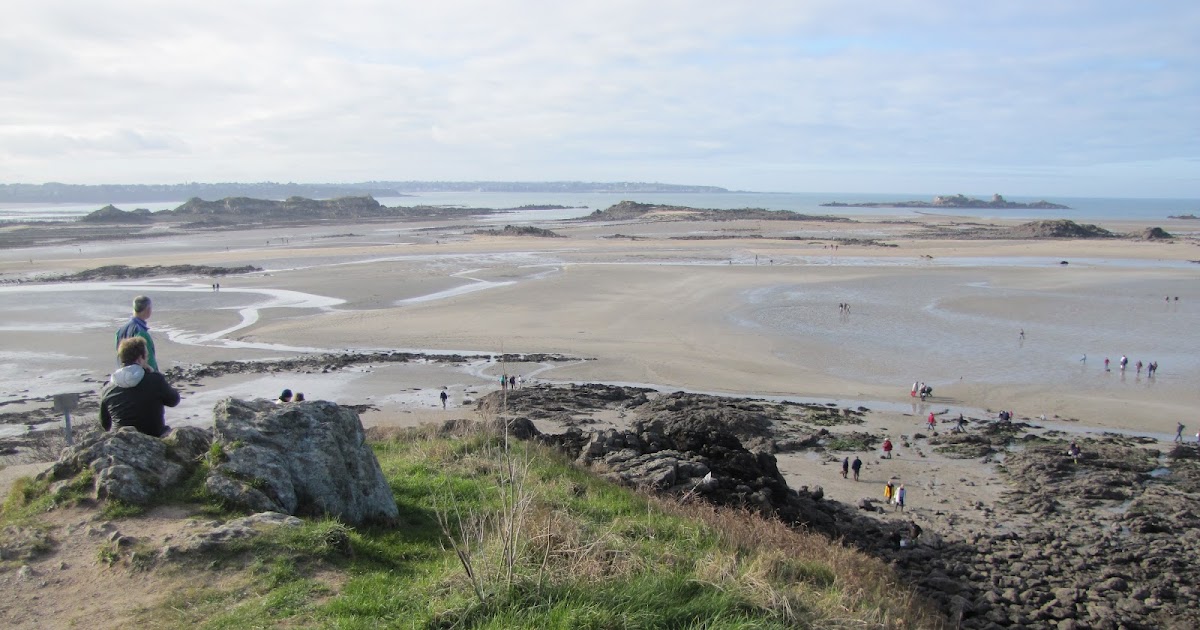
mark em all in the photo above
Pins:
pixel 1082 209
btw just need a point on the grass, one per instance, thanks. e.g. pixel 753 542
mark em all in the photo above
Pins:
pixel 587 554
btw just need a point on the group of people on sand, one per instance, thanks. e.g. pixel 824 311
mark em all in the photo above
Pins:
pixel 510 381
pixel 921 389
pixel 1123 363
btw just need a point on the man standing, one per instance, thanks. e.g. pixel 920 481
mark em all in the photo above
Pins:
pixel 1179 432
pixel 856 466
pixel 137 327
pixel 136 395
pixel 444 396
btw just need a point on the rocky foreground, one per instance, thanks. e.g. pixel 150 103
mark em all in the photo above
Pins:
pixel 1109 540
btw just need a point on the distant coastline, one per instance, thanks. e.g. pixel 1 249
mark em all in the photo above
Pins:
pixel 54 192
pixel 953 201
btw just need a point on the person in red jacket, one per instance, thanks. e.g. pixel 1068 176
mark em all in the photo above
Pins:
pixel 136 395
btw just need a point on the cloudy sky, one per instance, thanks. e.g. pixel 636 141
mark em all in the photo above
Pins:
pixel 1049 97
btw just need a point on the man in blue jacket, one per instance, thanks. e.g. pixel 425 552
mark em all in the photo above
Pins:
pixel 137 327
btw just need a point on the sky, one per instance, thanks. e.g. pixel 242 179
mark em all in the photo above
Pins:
pixel 1092 98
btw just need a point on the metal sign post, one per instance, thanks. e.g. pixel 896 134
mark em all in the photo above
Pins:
pixel 66 403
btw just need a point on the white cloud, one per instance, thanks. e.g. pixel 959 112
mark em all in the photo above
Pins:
pixel 775 95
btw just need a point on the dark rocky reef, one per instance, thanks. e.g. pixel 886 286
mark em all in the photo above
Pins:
pixel 122 272
pixel 1108 540
pixel 953 201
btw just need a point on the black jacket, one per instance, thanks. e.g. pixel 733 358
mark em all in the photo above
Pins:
pixel 136 398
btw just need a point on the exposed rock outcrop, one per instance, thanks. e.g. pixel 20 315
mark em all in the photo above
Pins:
pixel 130 466
pixel 1058 228
pixel 629 210
pixel 113 214
pixel 306 458
pixel 1155 234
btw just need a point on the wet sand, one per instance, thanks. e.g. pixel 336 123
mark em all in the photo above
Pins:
pixel 743 308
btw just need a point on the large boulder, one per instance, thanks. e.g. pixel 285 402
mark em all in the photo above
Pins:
pixel 130 466
pixel 308 458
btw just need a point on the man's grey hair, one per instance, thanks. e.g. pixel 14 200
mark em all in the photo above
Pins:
pixel 140 303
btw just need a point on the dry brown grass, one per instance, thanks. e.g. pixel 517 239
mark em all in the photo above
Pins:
pixel 788 569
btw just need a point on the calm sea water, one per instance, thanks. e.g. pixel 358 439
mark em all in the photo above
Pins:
pixel 1082 209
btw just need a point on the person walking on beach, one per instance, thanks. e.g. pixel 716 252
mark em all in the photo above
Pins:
pixel 856 466
pixel 1021 336
pixel 137 327
pixel 1138 367
pixel 444 396
pixel 887 491
pixel 916 386
pixel 932 422
pixel 846 466
pixel 887 448
pixel 1179 433
pixel 1124 361
pixel 900 498
pixel 1105 364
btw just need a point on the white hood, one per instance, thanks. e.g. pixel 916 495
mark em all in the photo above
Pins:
pixel 128 376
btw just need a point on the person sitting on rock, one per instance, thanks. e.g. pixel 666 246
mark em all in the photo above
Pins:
pixel 136 395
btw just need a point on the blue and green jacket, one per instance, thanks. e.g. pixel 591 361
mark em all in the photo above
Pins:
pixel 136 327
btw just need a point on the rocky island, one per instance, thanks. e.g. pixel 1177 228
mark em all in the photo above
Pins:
pixel 953 201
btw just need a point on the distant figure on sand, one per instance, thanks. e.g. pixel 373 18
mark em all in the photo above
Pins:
pixel 1124 362
pixel 1179 433
pixel 932 422
pixel 444 396
pixel 887 491
pixel 1022 335
pixel 887 448
pixel 845 467
pixel 1073 451
pixel 1105 364
pixel 856 466
pixel 1083 359
pixel 916 386
pixel 900 498
pixel 1137 367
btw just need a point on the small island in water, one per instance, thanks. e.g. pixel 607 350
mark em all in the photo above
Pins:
pixel 953 201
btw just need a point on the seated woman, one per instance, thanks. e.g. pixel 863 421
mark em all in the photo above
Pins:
pixel 135 395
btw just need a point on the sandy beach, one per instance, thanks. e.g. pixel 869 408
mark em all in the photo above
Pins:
pixel 744 308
